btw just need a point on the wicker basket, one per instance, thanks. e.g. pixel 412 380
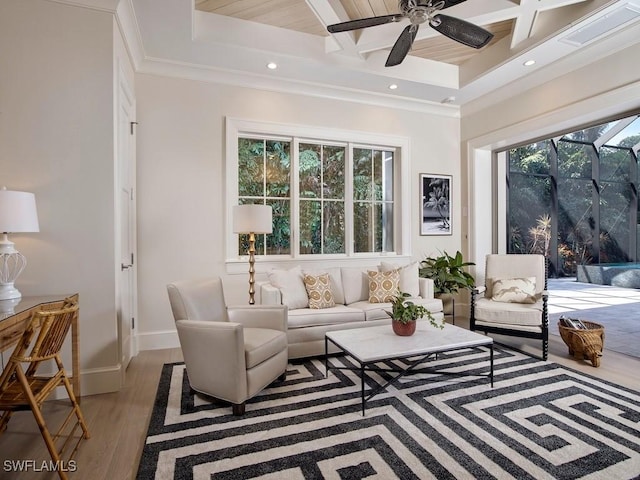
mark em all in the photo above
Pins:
pixel 584 344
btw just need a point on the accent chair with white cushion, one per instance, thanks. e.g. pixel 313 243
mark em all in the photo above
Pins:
pixel 231 353
pixel 513 300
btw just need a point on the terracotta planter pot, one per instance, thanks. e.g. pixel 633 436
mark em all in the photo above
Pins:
pixel 403 329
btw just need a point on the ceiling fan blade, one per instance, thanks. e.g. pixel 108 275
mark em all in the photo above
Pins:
pixel 402 46
pixel 363 23
pixel 451 3
pixel 461 31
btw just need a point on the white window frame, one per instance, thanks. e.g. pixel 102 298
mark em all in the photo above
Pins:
pixel 236 128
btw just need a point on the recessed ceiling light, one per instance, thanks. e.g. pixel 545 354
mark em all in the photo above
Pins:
pixel 272 65
pixel 528 63
pixel 393 86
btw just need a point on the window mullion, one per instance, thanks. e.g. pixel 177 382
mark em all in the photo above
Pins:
pixel 348 201
pixel 372 203
pixel 295 198
pixel 321 199
pixel 595 202
pixel 553 171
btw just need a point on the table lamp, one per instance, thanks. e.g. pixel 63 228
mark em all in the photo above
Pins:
pixel 251 219
pixel 17 215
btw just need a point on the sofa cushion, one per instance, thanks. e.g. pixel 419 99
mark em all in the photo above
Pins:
pixel 409 276
pixel 291 285
pixel 514 290
pixel 355 283
pixel 376 311
pixel 319 291
pixel 508 314
pixel 373 311
pixel 335 277
pixel 383 286
pixel 307 317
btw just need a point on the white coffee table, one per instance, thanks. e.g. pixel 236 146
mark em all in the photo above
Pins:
pixel 371 345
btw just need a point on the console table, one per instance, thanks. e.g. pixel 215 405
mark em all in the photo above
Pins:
pixel 14 315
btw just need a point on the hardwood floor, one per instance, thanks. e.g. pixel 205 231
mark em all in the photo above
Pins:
pixel 118 421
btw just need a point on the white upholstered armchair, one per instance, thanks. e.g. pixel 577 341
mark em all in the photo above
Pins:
pixel 513 300
pixel 231 353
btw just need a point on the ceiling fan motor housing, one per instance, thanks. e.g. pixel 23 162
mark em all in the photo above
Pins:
pixel 419 12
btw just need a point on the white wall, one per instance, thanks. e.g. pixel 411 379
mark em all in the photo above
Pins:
pixel 607 88
pixel 56 140
pixel 181 186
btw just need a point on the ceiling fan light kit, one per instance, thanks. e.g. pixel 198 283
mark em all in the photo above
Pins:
pixel 419 12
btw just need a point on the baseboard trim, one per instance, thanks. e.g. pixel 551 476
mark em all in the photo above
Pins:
pixel 95 381
pixel 158 340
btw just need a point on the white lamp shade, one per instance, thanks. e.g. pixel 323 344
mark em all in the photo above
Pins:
pixel 252 219
pixel 18 212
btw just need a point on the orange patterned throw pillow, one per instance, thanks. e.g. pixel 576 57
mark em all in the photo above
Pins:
pixel 383 286
pixel 319 291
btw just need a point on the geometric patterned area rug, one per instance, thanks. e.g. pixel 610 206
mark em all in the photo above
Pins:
pixel 539 421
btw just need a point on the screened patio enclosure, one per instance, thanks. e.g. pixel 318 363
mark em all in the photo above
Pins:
pixel 574 198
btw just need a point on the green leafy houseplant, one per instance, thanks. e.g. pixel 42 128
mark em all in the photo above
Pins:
pixel 405 311
pixel 447 273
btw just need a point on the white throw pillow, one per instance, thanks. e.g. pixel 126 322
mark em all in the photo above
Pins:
pixel 383 286
pixel 355 283
pixel 291 285
pixel 409 278
pixel 514 290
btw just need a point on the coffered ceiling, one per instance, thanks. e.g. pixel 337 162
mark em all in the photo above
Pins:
pixel 299 16
pixel 233 41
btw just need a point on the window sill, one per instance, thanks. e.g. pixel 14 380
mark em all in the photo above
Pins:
pixel 240 265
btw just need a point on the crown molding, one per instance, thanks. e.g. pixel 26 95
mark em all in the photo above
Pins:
pixel 187 71
pixel 99 5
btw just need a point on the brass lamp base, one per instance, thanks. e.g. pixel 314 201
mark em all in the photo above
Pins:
pixel 252 270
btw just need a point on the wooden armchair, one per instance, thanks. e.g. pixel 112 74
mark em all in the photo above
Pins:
pixel 23 389
pixel 513 300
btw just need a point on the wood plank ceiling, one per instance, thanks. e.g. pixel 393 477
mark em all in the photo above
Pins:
pixel 296 15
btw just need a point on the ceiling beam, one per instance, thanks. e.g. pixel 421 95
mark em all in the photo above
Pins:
pixel 329 12
pixel 529 14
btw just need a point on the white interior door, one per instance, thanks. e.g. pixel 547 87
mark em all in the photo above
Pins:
pixel 126 148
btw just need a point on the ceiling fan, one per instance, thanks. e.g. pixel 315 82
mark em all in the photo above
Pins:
pixel 419 12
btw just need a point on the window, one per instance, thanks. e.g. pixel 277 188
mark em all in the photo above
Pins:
pixel 333 193
pixel 264 177
pixel 321 171
pixel 574 197
pixel 373 199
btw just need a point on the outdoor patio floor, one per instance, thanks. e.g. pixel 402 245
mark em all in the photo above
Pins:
pixel 617 308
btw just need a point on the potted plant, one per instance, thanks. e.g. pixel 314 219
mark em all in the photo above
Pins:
pixel 404 314
pixel 448 275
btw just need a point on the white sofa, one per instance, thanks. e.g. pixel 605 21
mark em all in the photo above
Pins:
pixel 306 326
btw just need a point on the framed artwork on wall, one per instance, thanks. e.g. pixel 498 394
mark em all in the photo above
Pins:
pixel 435 198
